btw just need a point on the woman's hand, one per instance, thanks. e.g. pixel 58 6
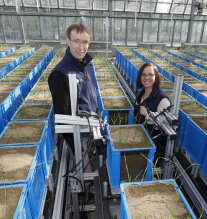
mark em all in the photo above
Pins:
pixel 143 111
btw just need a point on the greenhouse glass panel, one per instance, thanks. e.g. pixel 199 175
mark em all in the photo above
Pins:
pixel 32 27
pixel 163 8
pixel 11 26
pixel 196 32
pixel 150 31
pixel 45 3
pixel 184 31
pixel 165 31
pixel 188 9
pixel 99 29
pixel 71 20
pixel 140 24
pixel 100 5
pixel 82 4
pixel 1 31
pixel 55 27
pixel 131 32
pixel 9 2
pixel 62 27
pixel 117 5
pixel 30 3
pixel 64 23
pixel 8 9
pixel 178 9
pixel 204 11
pixel 49 3
pixel 88 23
pixel 177 31
pixel 119 31
pixel 165 1
pixel 132 6
pixel 49 28
pixel 147 7
pixel 67 3
pixel 204 40
pixel 54 3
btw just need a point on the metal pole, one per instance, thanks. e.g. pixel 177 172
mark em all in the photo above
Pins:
pixel 73 92
pixel 23 30
pixel 110 22
pixel 135 14
pixel 191 21
pixel 177 93
pixel 173 30
pixel 168 165
pixel 17 7
pixel 107 38
pixel 76 128
pixel 59 197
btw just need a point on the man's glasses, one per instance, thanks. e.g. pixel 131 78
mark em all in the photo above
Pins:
pixel 79 43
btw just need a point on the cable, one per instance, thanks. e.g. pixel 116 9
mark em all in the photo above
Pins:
pixel 87 149
pixel 89 145
pixel 87 115
pixel 164 110
pixel 154 118
pixel 169 120
pixel 73 177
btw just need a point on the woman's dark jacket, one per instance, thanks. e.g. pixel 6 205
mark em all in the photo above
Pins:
pixel 150 103
pixel 59 84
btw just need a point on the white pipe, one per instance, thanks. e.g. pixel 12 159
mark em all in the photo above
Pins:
pixel 107 37
pixel 17 7
pixel 135 16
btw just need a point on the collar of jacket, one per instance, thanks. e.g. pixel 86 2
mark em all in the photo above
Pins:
pixel 141 92
pixel 70 64
pixel 85 60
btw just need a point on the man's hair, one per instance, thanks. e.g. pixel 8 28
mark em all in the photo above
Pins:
pixel 80 28
pixel 156 84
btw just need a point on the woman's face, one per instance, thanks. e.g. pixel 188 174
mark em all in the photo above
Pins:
pixel 148 77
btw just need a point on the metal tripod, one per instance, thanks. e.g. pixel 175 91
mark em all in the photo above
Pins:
pixel 168 164
pixel 77 177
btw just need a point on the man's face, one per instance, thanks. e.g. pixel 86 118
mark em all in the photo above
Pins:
pixel 78 43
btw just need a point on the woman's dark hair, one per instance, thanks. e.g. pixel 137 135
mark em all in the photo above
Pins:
pixel 156 85
pixel 80 28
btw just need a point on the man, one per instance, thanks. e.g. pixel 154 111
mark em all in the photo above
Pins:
pixel 77 60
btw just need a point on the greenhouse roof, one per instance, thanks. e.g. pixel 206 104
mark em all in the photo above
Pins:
pixel 139 6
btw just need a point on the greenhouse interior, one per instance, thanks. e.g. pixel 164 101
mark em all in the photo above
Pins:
pixel 103 111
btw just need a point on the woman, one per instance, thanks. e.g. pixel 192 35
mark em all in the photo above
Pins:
pixel 150 98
